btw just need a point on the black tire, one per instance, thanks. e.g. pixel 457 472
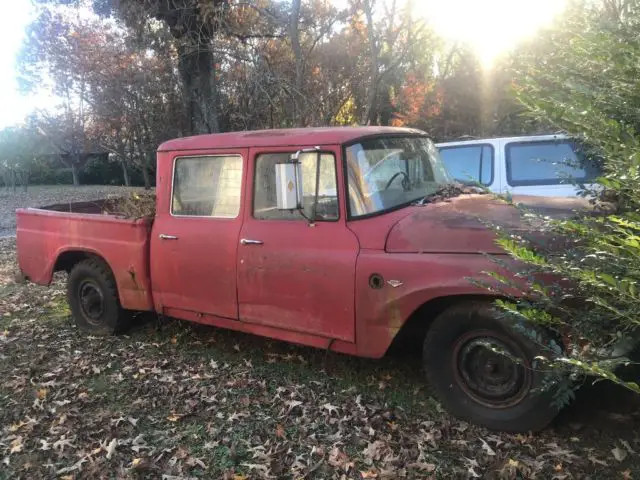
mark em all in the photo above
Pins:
pixel 501 395
pixel 93 298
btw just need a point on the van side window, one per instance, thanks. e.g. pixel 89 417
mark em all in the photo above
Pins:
pixel 547 163
pixel 264 192
pixel 470 164
pixel 208 186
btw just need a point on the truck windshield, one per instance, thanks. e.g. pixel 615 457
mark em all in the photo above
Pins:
pixel 389 172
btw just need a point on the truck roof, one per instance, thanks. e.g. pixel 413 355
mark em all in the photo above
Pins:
pixel 511 138
pixel 281 137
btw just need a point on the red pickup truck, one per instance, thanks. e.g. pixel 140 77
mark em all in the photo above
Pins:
pixel 337 238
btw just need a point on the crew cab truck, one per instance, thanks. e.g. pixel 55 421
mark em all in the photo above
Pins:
pixel 291 235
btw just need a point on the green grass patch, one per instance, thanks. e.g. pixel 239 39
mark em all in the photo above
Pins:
pixel 100 384
pixel 58 309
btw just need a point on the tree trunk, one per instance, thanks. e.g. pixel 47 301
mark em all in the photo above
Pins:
pixel 125 173
pixel 197 71
pixel 25 180
pixel 13 181
pixel 294 35
pixel 145 175
pixel 74 173
pixel 373 65
pixel 386 109
pixel 145 170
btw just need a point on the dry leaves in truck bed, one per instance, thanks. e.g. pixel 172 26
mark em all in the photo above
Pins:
pixel 134 205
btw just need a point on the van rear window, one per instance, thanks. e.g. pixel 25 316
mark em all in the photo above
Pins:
pixel 469 164
pixel 548 163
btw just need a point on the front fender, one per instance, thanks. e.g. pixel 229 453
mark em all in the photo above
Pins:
pixel 408 282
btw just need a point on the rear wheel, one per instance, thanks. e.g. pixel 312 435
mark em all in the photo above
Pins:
pixel 485 372
pixel 93 298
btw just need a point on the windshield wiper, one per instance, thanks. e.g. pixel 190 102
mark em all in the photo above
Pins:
pixel 450 190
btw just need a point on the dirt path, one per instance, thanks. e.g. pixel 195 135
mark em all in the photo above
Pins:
pixel 194 402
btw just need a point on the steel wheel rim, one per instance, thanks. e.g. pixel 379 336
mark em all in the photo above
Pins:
pixel 491 378
pixel 91 301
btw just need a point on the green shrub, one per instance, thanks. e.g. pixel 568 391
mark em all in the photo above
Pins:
pixel 585 82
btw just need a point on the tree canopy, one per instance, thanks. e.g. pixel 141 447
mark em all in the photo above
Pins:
pixel 129 74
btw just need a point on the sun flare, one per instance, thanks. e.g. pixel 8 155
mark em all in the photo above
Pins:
pixel 490 27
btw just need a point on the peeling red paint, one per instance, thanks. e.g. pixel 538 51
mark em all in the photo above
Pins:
pixel 452 226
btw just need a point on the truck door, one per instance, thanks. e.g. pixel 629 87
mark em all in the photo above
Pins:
pixel 292 274
pixel 196 233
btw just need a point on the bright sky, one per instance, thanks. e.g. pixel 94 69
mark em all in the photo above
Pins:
pixel 13 106
pixel 490 26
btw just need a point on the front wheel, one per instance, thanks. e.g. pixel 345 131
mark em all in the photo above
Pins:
pixel 485 372
pixel 93 298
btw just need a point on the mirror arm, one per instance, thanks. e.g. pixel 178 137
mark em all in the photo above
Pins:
pixel 296 155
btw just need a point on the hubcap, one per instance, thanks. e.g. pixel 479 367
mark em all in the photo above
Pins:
pixel 91 301
pixel 491 368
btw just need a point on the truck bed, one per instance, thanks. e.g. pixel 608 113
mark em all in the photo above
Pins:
pixel 52 238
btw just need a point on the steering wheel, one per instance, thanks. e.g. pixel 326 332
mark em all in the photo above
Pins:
pixel 405 180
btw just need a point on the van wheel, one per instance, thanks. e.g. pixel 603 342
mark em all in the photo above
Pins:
pixel 475 382
pixel 93 298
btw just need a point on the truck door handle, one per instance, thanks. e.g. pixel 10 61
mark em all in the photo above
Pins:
pixel 167 237
pixel 246 241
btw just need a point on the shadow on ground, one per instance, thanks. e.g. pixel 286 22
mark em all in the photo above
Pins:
pixel 603 407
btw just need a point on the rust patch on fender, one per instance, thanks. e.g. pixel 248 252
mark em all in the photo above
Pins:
pixel 395 318
pixel 132 274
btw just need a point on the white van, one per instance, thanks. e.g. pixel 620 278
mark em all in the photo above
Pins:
pixel 530 165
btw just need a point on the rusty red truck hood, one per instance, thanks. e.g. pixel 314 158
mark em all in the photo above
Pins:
pixel 461 224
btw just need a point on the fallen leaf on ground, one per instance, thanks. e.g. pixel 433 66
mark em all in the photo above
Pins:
pixel 596 461
pixel 487 448
pixel 619 454
pixel 111 448
pixel 16 445
pixel 626 445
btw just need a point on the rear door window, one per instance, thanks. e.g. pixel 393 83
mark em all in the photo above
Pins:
pixel 548 163
pixel 207 186
pixel 469 164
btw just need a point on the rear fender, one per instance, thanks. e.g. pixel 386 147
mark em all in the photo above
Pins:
pixel 130 288
pixel 61 261
pixel 49 241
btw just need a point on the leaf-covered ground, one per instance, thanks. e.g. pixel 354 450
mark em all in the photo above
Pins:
pixel 38 196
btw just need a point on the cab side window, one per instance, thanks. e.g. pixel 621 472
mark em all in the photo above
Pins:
pixel 208 186
pixel 264 194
